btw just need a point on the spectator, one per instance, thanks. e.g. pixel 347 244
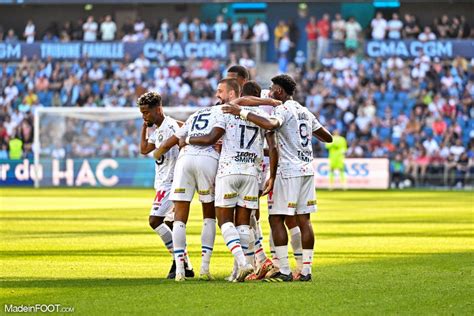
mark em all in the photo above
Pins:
pixel 127 27
pixel 283 51
pixel 29 33
pixel 260 31
pixel 395 27
pixel 311 40
pixel 220 29
pixel 411 28
pixel 338 27
pixel 239 31
pixel 90 30
pixel 323 28
pixel 442 27
pixel 183 30
pixel 164 31
pixel 11 37
pixel 77 30
pixel 280 30
pixel 379 26
pixel 353 29
pixel 139 27
pixel 108 29
pixel 195 32
pixel 427 35
pixel 15 146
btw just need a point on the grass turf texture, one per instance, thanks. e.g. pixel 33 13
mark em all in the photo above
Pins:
pixel 377 252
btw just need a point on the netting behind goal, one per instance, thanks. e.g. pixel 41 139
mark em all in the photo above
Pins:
pixel 86 146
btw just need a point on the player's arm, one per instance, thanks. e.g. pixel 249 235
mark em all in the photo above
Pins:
pixel 273 154
pixel 323 135
pixel 256 101
pixel 165 146
pixel 204 140
pixel 263 122
pixel 145 146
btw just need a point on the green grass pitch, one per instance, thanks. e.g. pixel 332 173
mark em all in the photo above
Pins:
pixel 390 252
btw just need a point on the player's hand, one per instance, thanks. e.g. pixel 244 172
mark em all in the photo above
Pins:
pixel 276 102
pixel 156 155
pixel 231 108
pixel 182 142
pixel 268 186
pixel 218 146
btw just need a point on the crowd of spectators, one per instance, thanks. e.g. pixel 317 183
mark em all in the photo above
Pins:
pixel 139 30
pixel 419 113
pixel 195 29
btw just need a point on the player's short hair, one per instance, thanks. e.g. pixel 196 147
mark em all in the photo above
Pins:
pixel 241 71
pixel 231 85
pixel 151 99
pixel 251 88
pixel 286 82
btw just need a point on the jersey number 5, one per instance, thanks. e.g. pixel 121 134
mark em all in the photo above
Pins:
pixel 242 135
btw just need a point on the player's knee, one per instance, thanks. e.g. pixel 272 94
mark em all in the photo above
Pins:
pixel 155 221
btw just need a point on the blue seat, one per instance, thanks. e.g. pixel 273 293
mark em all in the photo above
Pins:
pixel 389 96
pixel 402 96
pixel 385 133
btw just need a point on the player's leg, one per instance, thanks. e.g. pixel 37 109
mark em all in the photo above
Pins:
pixel 295 240
pixel 161 208
pixel 208 236
pixel 306 206
pixel 247 189
pixel 226 201
pixel 282 206
pixel 331 178
pixel 205 169
pixel 242 223
pixel 307 236
pixel 182 192
pixel 181 213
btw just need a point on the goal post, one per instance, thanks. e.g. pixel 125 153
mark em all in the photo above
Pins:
pixel 65 133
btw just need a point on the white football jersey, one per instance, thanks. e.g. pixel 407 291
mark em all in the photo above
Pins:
pixel 164 167
pixel 200 123
pixel 242 145
pixel 294 139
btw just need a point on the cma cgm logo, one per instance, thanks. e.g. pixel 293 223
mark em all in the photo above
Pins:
pixel 353 169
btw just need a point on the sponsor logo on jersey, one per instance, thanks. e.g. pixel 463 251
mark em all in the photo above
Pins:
pixel 204 192
pixel 230 195
pixel 291 205
pixel 160 138
pixel 305 156
pixel 312 202
pixel 250 198
pixel 245 157
pixel 179 190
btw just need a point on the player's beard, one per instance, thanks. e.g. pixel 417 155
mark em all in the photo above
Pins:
pixel 149 124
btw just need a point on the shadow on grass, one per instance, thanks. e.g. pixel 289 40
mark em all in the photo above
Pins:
pixel 405 267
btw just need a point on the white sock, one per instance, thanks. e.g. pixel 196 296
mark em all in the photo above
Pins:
pixel 260 255
pixel 179 245
pixel 307 261
pixel 295 233
pixel 282 255
pixel 166 235
pixel 232 241
pixel 250 253
pixel 276 264
pixel 187 259
pixel 244 235
pixel 208 237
